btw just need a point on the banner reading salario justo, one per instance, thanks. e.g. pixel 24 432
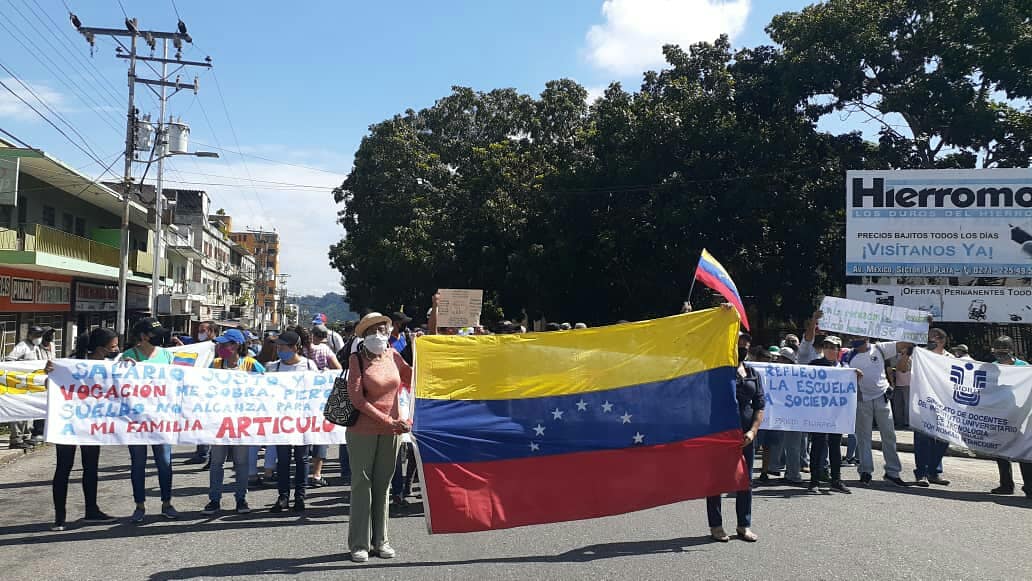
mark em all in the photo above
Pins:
pixel 109 403
pixel 930 223
pixel 980 406
pixel 23 384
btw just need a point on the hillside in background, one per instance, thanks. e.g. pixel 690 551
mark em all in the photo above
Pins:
pixel 333 305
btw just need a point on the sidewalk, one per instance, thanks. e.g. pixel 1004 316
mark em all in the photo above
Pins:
pixel 7 455
pixel 905 443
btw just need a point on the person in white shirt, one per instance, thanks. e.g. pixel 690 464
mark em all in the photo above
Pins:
pixel 873 402
pixel 30 349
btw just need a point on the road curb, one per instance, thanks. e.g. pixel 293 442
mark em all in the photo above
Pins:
pixel 9 456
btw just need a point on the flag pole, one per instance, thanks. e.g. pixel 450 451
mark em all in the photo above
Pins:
pixel 695 276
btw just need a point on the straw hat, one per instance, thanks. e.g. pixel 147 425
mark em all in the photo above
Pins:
pixel 370 320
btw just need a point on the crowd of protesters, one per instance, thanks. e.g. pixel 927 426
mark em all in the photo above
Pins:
pixel 378 462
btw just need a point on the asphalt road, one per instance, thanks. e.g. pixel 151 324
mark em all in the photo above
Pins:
pixel 960 532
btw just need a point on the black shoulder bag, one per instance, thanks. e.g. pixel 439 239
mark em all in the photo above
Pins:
pixel 339 410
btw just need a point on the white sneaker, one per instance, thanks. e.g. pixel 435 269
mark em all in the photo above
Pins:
pixel 359 556
pixel 385 551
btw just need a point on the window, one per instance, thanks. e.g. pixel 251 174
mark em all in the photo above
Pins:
pixel 23 209
pixel 6 213
pixel 67 222
pixel 80 227
pixel 49 216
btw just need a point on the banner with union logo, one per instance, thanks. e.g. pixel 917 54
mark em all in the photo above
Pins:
pixel 983 407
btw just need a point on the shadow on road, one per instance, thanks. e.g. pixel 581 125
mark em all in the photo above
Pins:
pixel 340 562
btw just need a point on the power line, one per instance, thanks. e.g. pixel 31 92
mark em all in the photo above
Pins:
pixel 71 46
pixel 276 161
pixel 225 162
pixel 61 77
pixel 176 10
pixel 236 140
pixel 91 154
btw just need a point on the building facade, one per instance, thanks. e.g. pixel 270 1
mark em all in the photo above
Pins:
pixel 265 247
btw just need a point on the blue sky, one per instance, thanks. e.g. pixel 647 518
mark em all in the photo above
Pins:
pixel 302 81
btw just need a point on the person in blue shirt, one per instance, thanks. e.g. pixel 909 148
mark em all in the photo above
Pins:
pixel 1003 351
pixel 231 351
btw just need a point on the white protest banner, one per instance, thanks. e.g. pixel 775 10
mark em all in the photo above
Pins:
pixel 459 307
pixel 874 320
pixel 23 385
pixel 983 407
pixel 939 223
pixel 23 391
pixel 101 402
pixel 805 398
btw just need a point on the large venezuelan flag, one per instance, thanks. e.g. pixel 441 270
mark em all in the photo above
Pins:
pixel 515 430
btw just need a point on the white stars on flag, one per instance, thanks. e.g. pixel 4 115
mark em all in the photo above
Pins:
pixel 582 405
pixel 539 430
pixel 607 407
pixel 639 438
pixel 557 414
pixel 626 418
pixel 534 447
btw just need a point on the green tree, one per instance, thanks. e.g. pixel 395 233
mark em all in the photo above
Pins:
pixel 948 80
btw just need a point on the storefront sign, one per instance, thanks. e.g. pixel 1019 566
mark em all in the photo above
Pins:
pixel 95 297
pixel 49 292
pixel 5 286
pixel 23 290
pixel 939 223
pixel 953 304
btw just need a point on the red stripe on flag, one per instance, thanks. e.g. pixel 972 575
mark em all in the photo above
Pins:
pixel 719 286
pixel 479 496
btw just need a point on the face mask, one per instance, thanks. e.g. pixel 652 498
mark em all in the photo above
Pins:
pixel 37 341
pixel 253 351
pixel 286 355
pixel 112 354
pixel 858 344
pixel 1001 355
pixel 202 336
pixel 376 344
pixel 742 353
pixel 227 352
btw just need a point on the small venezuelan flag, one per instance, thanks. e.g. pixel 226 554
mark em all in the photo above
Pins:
pixel 516 430
pixel 712 274
pixel 184 358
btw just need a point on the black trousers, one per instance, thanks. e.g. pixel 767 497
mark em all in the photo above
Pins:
pixel 1007 475
pixel 65 459
pixel 819 444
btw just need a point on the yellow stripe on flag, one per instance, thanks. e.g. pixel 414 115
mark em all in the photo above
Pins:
pixel 571 362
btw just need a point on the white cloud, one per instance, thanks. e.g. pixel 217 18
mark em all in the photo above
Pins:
pixel 12 108
pixel 595 93
pixel 306 220
pixel 632 38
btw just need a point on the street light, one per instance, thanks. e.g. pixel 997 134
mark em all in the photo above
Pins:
pixel 159 234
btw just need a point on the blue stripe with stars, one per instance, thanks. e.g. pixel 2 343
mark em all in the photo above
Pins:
pixel 662 412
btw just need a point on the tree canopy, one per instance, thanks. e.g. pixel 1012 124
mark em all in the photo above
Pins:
pixel 598 211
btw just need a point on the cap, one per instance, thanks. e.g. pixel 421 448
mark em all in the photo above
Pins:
pixel 565 326
pixel 774 350
pixel 320 319
pixel 960 347
pixel 36 330
pixel 833 340
pixel 580 326
pixel 231 336
pixel 788 353
pixel 151 326
pixel 551 327
pixel 251 336
pixel 400 317
pixel 288 338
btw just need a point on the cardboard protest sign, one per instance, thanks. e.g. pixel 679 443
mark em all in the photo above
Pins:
pixel 874 320
pixel 459 307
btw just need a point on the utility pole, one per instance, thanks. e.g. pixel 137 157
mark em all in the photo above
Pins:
pixel 133 32
pixel 282 289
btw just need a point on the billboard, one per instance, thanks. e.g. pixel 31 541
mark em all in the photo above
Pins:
pixel 953 304
pixel 939 223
